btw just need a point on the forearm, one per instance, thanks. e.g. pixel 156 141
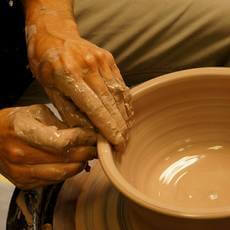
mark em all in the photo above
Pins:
pixel 49 25
pixel 53 16
pixel 36 8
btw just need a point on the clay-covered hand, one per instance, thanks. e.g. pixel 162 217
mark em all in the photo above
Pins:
pixel 36 149
pixel 80 75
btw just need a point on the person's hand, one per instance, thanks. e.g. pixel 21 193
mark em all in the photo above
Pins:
pixel 80 79
pixel 36 149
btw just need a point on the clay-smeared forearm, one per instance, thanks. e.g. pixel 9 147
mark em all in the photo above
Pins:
pixel 47 17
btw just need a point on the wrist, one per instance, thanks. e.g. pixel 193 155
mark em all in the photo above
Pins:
pixel 48 34
pixel 52 25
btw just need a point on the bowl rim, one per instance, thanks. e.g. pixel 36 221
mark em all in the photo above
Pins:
pixel 105 153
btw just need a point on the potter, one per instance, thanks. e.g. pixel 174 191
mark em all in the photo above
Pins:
pixel 70 47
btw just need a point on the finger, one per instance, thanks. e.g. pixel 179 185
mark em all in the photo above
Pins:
pixel 27 176
pixel 86 99
pixel 43 114
pixel 18 152
pixel 36 133
pixel 116 85
pixel 126 95
pixel 19 175
pixel 56 172
pixel 40 173
pixel 68 111
pixel 34 184
pixel 96 83
pixel 116 89
pixel 82 153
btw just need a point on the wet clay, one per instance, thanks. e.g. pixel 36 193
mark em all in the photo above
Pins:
pixel 37 125
pixel 69 112
pixel 177 160
pixel 184 156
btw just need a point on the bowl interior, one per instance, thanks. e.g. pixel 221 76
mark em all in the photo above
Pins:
pixel 178 156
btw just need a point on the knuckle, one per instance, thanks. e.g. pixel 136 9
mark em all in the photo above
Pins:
pixel 90 60
pixel 16 155
pixel 69 67
pixel 101 54
pixel 52 54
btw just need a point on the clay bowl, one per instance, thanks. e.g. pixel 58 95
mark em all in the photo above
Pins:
pixel 176 169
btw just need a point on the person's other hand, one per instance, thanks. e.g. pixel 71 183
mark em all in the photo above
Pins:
pixel 36 149
pixel 80 77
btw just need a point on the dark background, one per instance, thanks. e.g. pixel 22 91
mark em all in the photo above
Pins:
pixel 14 76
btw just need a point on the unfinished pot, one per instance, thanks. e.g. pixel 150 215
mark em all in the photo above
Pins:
pixel 176 168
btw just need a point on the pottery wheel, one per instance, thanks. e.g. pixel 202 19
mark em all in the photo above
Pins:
pixel 89 201
pixel 101 207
